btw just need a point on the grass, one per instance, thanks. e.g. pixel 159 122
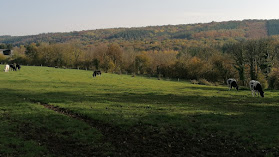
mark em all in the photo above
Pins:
pixel 120 115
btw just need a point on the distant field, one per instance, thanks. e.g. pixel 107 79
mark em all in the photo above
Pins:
pixel 64 112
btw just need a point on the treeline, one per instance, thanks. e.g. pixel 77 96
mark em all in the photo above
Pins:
pixel 256 59
pixel 246 60
pixel 231 30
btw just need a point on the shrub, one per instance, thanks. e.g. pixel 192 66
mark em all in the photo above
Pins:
pixel 273 79
pixel 204 82
pixel 262 80
pixel 196 68
pixel 194 82
pixel 2 58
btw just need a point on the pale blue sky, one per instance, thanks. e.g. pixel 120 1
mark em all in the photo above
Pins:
pixel 27 17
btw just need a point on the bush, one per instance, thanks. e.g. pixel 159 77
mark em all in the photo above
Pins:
pixel 2 58
pixel 204 82
pixel 194 82
pixel 262 80
pixel 273 79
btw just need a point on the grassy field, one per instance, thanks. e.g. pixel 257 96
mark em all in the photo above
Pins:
pixel 63 112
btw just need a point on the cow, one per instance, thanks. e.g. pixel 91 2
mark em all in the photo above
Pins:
pixel 7 68
pixel 97 72
pixel 232 83
pixel 256 87
pixel 12 67
pixel 18 67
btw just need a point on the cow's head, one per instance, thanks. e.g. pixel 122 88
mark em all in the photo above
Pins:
pixel 262 94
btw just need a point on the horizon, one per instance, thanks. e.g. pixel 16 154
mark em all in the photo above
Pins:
pixel 32 17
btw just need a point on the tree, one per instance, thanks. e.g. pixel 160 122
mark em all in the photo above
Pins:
pixel 237 51
pixel 222 65
pixel 141 63
pixel 96 63
pixel 128 59
pixel 252 55
pixel 32 53
pixel 108 64
pixel 77 53
pixel 115 54
pixel 267 53
pixel 195 68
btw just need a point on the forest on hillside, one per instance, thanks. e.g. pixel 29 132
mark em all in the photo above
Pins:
pixel 231 30
pixel 204 53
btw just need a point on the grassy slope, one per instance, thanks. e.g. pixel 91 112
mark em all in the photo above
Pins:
pixel 147 116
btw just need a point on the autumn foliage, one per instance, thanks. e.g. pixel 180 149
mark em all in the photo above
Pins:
pixel 211 52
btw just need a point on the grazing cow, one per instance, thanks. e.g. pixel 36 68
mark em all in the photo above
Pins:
pixel 97 72
pixel 256 87
pixel 232 83
pixel 12 67
pixel 18 66
pixel 7 68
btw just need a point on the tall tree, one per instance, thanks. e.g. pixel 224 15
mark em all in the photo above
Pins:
pixel 32 53
pixel 252 55
pixel 237 51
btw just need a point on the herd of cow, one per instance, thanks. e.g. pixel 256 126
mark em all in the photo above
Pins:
pixel 255 86
pixel 13 67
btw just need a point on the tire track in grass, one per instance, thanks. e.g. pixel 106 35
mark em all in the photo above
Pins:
pixel 135 141
pixel 126 142
pixel 56 144
pixel 112 134
pixel 142 140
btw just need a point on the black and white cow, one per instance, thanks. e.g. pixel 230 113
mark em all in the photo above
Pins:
pixel 97 72
pixel 256 87
pixel 18 67
pixel 12 67
pixel 232 83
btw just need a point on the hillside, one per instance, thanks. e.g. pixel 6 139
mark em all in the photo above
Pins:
pixel 65 112
pixel 210 52
pixel 231 30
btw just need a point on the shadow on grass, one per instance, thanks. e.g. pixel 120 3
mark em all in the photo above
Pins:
pixel 213 103
pixel 204 87
pixel 232 126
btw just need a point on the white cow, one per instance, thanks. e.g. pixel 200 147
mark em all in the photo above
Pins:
pixel 256 87
pixel 7 68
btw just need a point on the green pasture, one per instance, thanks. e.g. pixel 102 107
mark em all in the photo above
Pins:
pixel 120 115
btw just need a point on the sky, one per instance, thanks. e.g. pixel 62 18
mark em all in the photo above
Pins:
pixel 30 17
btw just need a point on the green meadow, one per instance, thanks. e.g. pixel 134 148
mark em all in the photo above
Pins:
pixel 66 112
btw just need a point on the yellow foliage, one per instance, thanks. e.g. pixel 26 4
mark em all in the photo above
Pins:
pixel 195 60
pixel 2 57
pixel 170 52
pixel 262 80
